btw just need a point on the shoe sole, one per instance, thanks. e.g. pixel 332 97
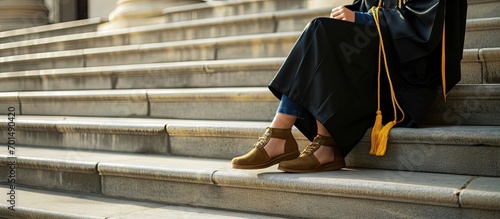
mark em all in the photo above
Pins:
pixel 329 167
pixel 272 162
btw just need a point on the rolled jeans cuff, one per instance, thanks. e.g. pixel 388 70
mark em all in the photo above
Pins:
pixel 290 107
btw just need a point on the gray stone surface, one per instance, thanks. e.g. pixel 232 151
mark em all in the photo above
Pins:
pixel 36 203
pixel 472 70
pixel 251 104
pixel 47 60
pixel 483 9
pixel 481 193
pixel 482 33
pixel 64 174
pixel 66 28
pixel 87 133
pixel 210 73
pixel 232 8
pixel 218 140
pixel 266 45
pixel 212 183
pixel 444 149
pixel 457 159
pixel 491 57
pixel 86 103
pixel 467 105
pixel 8 100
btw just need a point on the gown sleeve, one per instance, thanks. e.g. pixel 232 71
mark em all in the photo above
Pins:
pixel 363 18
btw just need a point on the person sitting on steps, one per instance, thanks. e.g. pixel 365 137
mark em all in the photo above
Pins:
pixel 371 63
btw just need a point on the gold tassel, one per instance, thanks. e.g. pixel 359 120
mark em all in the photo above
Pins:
pixel 383 138
pixel 380 136
pixel 375 132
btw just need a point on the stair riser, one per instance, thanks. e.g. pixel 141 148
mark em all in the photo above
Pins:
pixel 485 9
pixel 268 201
pixel 146 78
pixel 487 38
pixel 400 156
pixel 482 37
pixel 420 150
pixel 466 106
pixel 223 197
pixel 420 157
pixel 256 105
pixel 476 9
pixel 55 179
pixel 252 24
pixel 73 27
pixel 478 66
pixel 84 141
pixel 66 61
pixel 491 65
pixel 274 47
pixel 229 9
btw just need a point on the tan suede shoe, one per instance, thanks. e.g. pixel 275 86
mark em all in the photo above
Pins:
pixel 307 162
pixel 258 158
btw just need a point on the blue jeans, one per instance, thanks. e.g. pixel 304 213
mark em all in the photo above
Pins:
pixel 290 107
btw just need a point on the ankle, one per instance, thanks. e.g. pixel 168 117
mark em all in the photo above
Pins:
pixel 275 147
pixel 325 154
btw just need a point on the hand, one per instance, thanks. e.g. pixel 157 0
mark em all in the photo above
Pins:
pixel 342 13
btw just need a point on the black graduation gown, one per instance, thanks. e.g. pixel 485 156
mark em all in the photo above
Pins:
pixel 332 69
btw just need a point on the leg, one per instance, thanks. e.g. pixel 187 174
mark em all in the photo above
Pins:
pixel 321 155
pixel 277 143
pixel 276 146
pixel 324 154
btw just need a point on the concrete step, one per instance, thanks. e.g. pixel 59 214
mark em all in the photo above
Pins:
pixel 482 33
pixel 478 66
pixel 39 203
pixel 212 9
pixel 213 184
pixel 234 47
pixel 476 8
pixel 51 30
pixel 267 45
pixel 191 74
pixel 483 9
pixel 268 22
pixel 426 149
pixel 467 104
pixel 487 60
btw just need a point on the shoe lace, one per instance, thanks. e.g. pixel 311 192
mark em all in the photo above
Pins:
pixel 311 148
pixel 263 140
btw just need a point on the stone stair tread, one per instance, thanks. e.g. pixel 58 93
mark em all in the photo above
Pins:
pixel 384 185
pixel 472 24
pixel 483 23
pixel 37 31
pixel 483 8
pixel 457 135
pixel 207 42
pixel 157 74
pixel 225 102
pixel 116 124
pixel 165 27
pixel 57 204
pixel 224 9
pixel 207 66
pixel 216 139
pixel 182 43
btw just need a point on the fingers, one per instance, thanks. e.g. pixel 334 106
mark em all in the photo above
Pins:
pixel 342 13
